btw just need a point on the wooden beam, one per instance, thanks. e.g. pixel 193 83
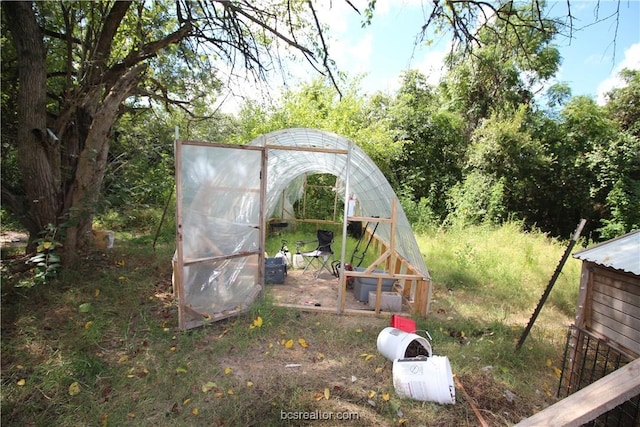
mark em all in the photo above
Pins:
pixel 592 401
pixel 332 310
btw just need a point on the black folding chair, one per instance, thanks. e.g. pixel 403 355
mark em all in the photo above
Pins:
pixel 320 257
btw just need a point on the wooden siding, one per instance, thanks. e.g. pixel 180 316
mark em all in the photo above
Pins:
pixel 614 308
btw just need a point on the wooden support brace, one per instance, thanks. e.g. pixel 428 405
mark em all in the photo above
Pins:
pixel 593 400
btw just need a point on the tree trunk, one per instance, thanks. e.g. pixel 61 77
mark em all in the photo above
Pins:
pixel 36 151
pixel 93 162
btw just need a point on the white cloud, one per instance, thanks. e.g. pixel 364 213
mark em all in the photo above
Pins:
pixel 432 66
pixel 631 61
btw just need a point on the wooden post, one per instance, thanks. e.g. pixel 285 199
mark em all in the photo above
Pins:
pixel 178 287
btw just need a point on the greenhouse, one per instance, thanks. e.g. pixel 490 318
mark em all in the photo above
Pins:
pixel 224 209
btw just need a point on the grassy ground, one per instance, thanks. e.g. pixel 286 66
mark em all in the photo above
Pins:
pixel 99 345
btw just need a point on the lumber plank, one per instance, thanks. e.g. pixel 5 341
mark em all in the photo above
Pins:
pixel 590 402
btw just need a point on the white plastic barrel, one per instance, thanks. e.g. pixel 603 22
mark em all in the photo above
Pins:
pixel 298 261
pixel 395 344
pixel 426 379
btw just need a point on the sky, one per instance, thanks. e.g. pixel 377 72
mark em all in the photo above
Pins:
pixel 380 52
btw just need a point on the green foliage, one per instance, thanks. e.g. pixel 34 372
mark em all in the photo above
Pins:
pixel 419 213
pixel 478 199
pixel 623 105
pixel 46 260
pixel 317 105
pixel 433 143
pixel 624 202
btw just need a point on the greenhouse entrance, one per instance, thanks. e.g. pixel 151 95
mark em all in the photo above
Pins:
pixel 228 197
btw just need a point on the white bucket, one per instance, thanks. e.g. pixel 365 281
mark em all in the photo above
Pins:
pixel 298 261
pixel 395 344
pixel 426 379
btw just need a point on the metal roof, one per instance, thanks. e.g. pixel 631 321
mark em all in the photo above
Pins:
pixel 621 253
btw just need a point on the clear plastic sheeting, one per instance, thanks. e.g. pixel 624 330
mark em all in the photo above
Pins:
pixel 220 208
pixel 214 287
pixel 367 183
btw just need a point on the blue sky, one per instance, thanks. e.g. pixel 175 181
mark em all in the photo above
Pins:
pixel 591 59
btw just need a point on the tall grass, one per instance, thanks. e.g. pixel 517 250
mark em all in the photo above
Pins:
pixel 506 268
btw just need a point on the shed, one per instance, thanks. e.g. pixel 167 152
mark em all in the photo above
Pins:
pixel 600 380
pixel 609 298
pixel 223 202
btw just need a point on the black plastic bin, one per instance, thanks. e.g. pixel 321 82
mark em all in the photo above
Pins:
pixel 275 271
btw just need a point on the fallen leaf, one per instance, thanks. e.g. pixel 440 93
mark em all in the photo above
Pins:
pixel 219 394
pixel 378 370
pixel 208 386
pixel 104 420
pixel 288 344
pixel 557 371
pixel 186 401
pixel 195 411
pixel 303 342
pixel 249 384
pixel 359 330
pixel 84 307
pixel 320 356
pixel 385 397
pixel 402 421
pixel 181 370
pixel 131 415
pixel 318 396
pixel 74 389
pixel 21 382
pixel 96 293
pixel 369 357
pixel 227 371
pixel 549 362
pixel 257 322
pixel 372 394
pixel 326 393
pixel 230 392
pixel 88 325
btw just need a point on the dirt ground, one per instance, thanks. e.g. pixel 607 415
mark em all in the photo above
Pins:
pixel 10 238
pixel 306 290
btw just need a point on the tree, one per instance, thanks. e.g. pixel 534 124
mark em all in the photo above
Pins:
pixel 505 68
pixel 434 143
pixel 623 199
pixel 79 66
